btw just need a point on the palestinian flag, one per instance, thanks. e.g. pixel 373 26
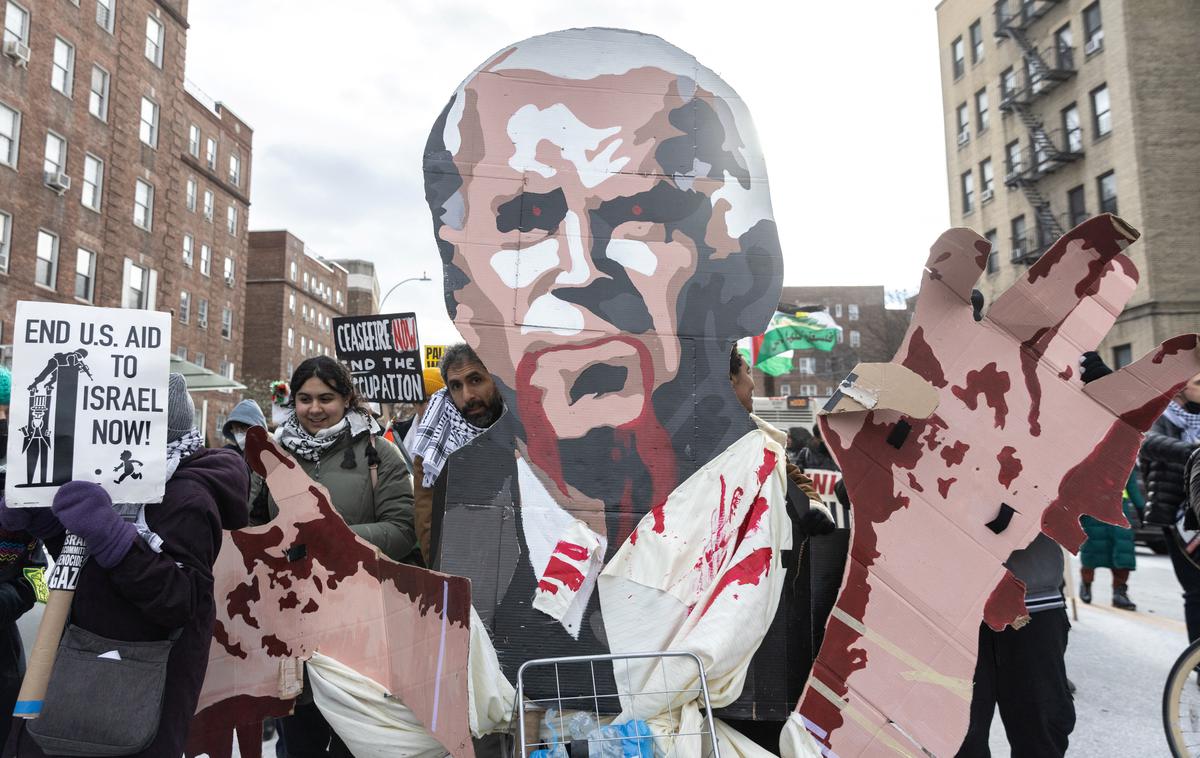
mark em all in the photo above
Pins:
pixel 772 351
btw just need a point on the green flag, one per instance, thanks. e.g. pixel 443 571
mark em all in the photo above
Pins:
pixel 799 331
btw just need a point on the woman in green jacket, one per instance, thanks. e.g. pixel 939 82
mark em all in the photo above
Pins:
pixel 334 439
pixel 1111 546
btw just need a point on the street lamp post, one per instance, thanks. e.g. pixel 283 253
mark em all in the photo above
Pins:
pixel 421 278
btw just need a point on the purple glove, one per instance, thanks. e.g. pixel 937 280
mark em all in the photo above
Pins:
pixel 86 509
pixel 40 522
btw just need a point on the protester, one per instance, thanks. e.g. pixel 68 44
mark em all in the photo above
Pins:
pixel 455 415
pixel 244 415
pixel 147 582
pixel 333 436
pixel 1111 546
pixel 797 439
pixel 1164 456
pixel 815 455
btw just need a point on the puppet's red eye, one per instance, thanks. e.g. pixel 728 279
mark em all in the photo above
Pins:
pixel 537 210
pixel 637 210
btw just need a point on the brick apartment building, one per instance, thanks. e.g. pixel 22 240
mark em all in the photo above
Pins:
pixel 293 296
pixel 1058 110
pixel 870 332
pixel 118 186
pixel 362 287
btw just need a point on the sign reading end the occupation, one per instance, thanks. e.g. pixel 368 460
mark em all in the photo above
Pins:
pixel 89 402
pixel 383 355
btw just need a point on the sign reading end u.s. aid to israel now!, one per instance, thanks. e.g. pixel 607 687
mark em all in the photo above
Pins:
pixel 383 354
pixel 89 402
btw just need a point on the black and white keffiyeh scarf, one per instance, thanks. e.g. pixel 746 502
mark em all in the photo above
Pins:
pixel 297 441
pixel 443 430
pixel 135 513
pixel 1188 422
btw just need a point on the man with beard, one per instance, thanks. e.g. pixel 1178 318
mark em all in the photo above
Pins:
pixel 600 203
pixel 468 404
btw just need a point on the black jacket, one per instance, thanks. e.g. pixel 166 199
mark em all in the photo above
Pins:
pixel 1163 458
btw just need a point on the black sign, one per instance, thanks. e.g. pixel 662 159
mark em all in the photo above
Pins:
pixel 383 354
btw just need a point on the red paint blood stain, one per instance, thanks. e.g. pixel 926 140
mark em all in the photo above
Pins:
pixel 954 454
pixel 310 607
pixel 1143 416
pixel 747 571
pixel 1176 345
pixel 992 384
pixel 536 210
pixel 768 465
pixel 1006 603
pixel 944 486
pixel 275 647
pixel 1031 352
pixel 290 600
pixel 1098 233
pixel 912 482
pixel 221 635
pixel 240 600
pixel 1093 487
pixel 569 575
pixel 1066 373
pixel 660 521
pixel 922 361
pixel 1010 465
pixel 545 586
pixel 571 550
pixel 637 210
pixel 1128 267
pixel 983 249
pixel 935 427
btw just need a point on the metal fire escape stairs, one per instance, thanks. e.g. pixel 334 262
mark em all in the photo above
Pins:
pixel 1046 155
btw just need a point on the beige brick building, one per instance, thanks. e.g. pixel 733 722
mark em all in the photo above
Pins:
pixel 1057 110
pixel 362 287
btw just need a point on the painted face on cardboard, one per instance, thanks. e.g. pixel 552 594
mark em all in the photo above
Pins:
pixel 587 213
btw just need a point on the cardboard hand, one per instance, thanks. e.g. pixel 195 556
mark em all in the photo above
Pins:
pixel 86 509
pixel 1016 445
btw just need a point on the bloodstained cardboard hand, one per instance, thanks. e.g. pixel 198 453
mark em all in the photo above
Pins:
pixel 1016 445
pixel 305 582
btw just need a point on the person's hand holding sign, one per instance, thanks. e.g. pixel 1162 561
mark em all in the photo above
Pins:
pixel 1015 445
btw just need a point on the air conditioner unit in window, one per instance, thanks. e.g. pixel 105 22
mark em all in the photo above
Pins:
pixel 18 51
pixel 229 281
pixel 58 181
pixel 964 137
pixel 986 195
pixel 1093 45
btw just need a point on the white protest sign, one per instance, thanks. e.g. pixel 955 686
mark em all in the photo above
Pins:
pixel 89 402
pixel 824 482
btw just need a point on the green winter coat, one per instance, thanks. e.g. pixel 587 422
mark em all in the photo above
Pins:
pixel 383 517
pixel 1110 546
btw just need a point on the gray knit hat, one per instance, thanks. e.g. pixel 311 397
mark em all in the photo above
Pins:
pixel 181 413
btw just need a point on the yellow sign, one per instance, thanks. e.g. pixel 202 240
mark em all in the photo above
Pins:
pixel 433 355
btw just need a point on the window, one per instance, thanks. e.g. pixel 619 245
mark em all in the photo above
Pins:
pixel 976 34
pixel 205 259
pixel 16 24
pixel 806 365
pixel 987 179
pixel 56 154
pixel 981 110
pixel 227 323
pixel 292 302
pixel 194 140
pixel 10 135
pixel 1093 29
pixel 229 271
pixel 98 97
pixel 210 153
pixel 291 338
pixel 993 259
pixel 138 287
pixel 1008 83
pixel 852 311
pixel 190 194
pixel 154 41
pixel 1012 156
pixel 104 14
pixel 143 205
pixel 958 57
pixel 306 280
pixel 185 307
pixel 962 116
pixel 46 272
pixel 148 131
pixel 85 274
pixel 199 361
pixel 208 205
pixel 235 169
pixel 837 310
pixel 201 321
pixel 1076 206
pixel 293 271
pixel 231 219
pixel 62 69
pixel 968 192
pixel 1019 245
pixel 181 353
pixel 189 245
pixel 855 339
pixel 93 182
pixel 1122 356
pixel 304 313
pixel 1072 128
pixel 1063 44
pixel 5 240
pixel 1101 116
pixel 1106 184
pixel 808 390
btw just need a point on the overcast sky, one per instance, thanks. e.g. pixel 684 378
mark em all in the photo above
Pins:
pixel 341 96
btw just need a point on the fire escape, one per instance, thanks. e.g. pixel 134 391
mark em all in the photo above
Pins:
pixel 1043 70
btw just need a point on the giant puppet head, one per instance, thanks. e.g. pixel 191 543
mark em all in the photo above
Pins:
pixel 600 203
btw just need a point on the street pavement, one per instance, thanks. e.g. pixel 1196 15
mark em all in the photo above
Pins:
pixel 1118 661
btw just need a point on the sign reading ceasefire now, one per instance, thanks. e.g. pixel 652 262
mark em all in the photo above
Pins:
pixel 383 354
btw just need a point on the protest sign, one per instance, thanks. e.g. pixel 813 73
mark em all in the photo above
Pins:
pixel 824 482
pixel 433 355
pixel 383 355
pixel 89 402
